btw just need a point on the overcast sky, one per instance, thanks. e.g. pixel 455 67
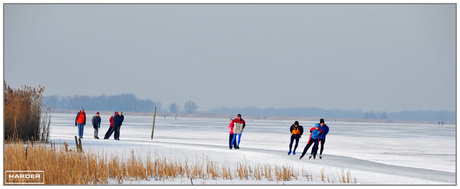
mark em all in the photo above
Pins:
pixel 390 57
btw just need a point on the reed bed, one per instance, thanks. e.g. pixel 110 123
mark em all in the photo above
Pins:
pixel 71 167
pixel 25 118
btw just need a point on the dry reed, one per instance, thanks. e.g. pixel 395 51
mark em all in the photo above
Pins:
pixel 71 167
pixel 322 175
pixel 24 118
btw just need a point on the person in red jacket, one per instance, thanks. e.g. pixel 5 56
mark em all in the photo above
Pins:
pixel 230 136
pixel 238 127
pixel 110 131
pixel 80 121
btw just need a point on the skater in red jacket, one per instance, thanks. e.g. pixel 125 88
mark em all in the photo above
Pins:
pixel 111 129
pixel 230 136
pixel 238 127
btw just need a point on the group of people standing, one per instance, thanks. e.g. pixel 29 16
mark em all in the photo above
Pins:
pixel 317 135
pixel 115 120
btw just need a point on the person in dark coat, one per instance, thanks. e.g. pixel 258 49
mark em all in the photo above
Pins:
pixel 322 137
pixel 117 122
pixel 296 133
pixel 110 131
pixel 96 125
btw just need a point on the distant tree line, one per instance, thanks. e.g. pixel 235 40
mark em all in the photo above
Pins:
pixel 129 102
pixel 125 102
pixel 434 116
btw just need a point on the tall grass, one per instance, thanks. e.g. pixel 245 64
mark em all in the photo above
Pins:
pixel 24 117
pixel 72 167
pixel 284 173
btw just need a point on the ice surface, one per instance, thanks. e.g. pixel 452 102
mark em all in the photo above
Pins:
pixel 373 153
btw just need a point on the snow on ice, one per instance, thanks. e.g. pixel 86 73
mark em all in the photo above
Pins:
pixel 373 153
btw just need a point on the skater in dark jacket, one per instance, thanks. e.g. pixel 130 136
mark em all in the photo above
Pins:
pixel 117 122
pixel 110 131
pixel 322 138
pixel 296 133
pixel 96 125
pixel 315 132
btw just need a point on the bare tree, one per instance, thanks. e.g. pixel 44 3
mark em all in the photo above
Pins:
pixel 173 108
pixel 190 107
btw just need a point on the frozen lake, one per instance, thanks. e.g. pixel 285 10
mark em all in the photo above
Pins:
pixel 374 153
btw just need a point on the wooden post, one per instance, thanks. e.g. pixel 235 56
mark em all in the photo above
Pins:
pixel 76 142
pixel 65 145
pixel 79 145
pixel 153 125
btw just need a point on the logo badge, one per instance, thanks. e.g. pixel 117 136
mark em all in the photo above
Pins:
pixel 24 177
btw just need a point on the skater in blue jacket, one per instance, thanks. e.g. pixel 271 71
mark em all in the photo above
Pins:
pixel 117 122
pixel 322 138
pixel 315 132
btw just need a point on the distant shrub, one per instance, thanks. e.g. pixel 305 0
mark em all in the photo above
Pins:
pixel 24 118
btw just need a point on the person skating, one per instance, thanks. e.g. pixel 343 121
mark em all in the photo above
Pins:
pixel 314 139
pixel 117 122
pixel 238 127
pixel 96 125
pixel 322 138
pixel 230 136
pixel 110 131
pixel 296 133
pixel 80 121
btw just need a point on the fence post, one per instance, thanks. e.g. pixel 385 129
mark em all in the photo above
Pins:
pixel 76 142
pixel 65 145
pixel 79 145
pixel 153 125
